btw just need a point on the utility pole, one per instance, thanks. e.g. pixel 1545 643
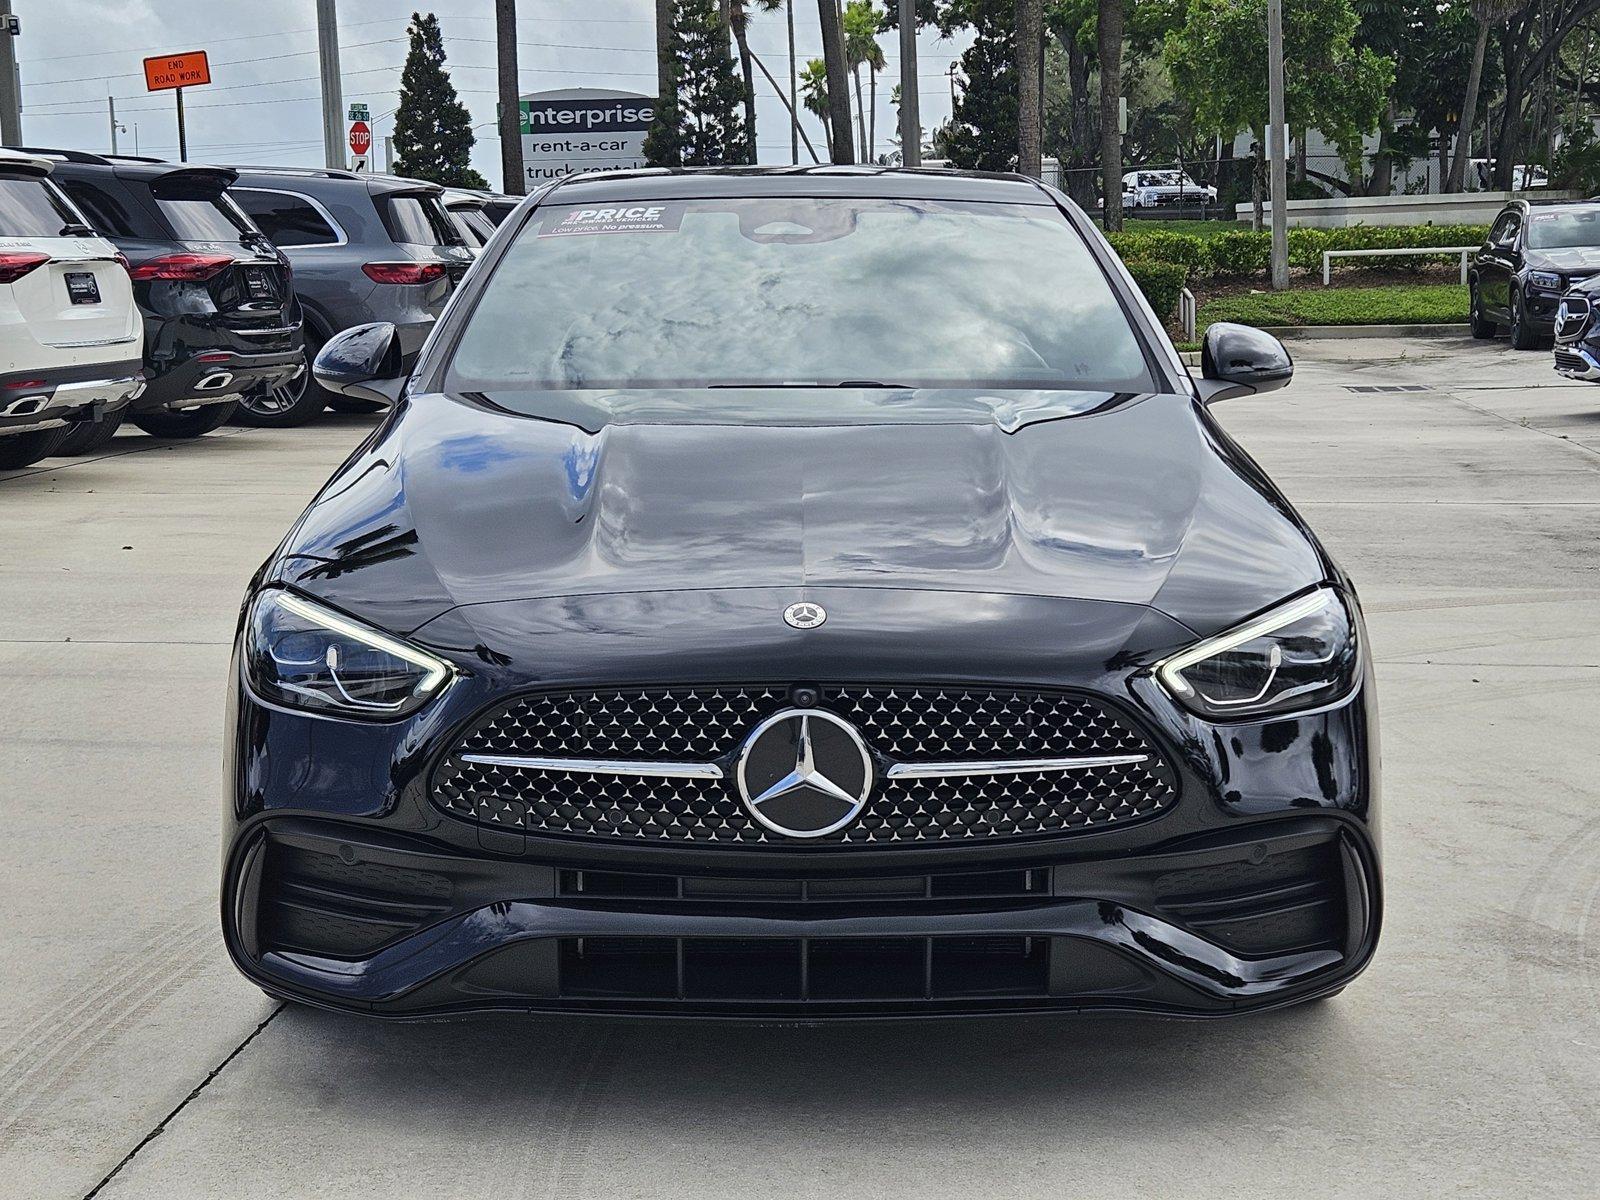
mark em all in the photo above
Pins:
pixel 111 111
pixel 910 117
pixel 332 87
pixel 10 85
pixel 183 133
pixel 505 36
pixel 1278 168
pixel 794 93
pixel 838 76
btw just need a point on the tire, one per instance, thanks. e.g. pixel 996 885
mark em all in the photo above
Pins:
pixel 349 404
pixel 24 449
pixel 1482 327
pixel 293 403
pixel 191 424
pixel 92 436
pixel 1522 335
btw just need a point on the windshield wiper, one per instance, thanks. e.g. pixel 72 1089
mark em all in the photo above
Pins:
pixel 816 383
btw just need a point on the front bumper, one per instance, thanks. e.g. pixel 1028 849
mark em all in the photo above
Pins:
pixel 48 400
pixel 1269 914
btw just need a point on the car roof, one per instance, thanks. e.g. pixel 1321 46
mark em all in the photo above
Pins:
pixel 374 181
pixel 856 182
pixel 13 162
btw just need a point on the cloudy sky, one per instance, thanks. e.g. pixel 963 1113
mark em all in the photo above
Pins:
pixel 262 105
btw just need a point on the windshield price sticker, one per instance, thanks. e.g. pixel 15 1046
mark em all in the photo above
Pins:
pixel 638 218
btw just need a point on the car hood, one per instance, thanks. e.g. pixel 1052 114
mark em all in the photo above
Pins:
pixel 1577 258
pixel 1134 499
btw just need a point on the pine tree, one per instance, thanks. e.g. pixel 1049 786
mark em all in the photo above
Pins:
pixel 432 131
pixel 700 124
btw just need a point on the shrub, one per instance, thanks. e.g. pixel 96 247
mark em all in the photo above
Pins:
pixel 1185 249
pixel 1243 253
pixel 1161 283
pixel 1412 304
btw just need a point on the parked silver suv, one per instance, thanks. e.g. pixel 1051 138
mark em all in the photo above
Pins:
pixel 364 248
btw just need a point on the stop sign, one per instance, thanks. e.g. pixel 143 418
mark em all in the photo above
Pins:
pixel 360 137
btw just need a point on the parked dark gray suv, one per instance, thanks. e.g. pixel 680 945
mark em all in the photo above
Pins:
pixel 364 248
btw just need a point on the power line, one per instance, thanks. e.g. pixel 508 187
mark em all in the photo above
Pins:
pixel 233 62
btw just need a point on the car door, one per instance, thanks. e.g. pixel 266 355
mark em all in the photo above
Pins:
pixel 1495 263
pixel 326 279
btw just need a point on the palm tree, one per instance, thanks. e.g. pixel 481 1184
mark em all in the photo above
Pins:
pixel 838 87
pixel 736 16
pixel 794 98
pixel 814 91
pixel 861 25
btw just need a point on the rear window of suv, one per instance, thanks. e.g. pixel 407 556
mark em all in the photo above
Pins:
pixel 288 219
pixel 30 208
pixel 418 221
pixel 208 220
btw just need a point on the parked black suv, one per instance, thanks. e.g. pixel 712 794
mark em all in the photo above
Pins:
pixel 1534 253
pixel 220 317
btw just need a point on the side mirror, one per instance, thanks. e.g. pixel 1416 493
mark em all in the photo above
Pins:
pixel 363 363
pixel 1238 360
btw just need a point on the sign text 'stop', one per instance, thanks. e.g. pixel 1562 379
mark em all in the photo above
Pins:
pixel 189 69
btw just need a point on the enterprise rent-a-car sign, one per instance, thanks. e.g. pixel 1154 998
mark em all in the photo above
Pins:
pixel 582 129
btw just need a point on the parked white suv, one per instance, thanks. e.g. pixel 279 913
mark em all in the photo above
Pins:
pixel 71 338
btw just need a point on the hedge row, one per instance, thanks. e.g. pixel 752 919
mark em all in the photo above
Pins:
pixel 1246 252
pixel 1161 283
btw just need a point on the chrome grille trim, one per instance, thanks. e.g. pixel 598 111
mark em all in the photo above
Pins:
pixel 1015 766
pixel 599 766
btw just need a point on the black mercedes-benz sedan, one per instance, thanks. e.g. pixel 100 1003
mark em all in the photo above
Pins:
pixel 801 593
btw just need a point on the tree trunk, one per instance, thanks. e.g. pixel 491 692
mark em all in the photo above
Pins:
pixel 1509 142
pixel 1257 170
pixel 1079 183
pixel 1469 113
pixel 839 140
pixel 1110 47
pixel 1382 181
pixel 1029 49
pixel 861 116
pixel 794 91
pixel 872 114
pixel 741 36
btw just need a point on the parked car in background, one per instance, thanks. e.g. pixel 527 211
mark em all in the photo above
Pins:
pixel 1533 254
pixel 364 248
pixel 220 317
pixel 70 345
pixel 466 209
pixel 498 206
pixel 1152 189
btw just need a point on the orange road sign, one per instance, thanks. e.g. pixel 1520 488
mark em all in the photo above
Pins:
pixel 189 69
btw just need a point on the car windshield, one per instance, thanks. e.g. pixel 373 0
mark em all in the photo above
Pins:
pixel 798 293
pixel 1564 229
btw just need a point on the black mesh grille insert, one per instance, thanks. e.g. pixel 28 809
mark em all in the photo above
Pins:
pixel 708 725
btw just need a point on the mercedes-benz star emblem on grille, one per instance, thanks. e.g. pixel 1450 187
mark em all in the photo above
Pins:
pixel 805 615
pixel 804 773
pixel 1562 315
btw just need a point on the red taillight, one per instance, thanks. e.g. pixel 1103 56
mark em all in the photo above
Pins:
pixel 15 265
pixel 189 268
pixel 404 272
pixel 213 356
pixel 26 383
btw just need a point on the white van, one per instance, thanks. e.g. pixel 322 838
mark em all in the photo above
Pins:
pixel 71 338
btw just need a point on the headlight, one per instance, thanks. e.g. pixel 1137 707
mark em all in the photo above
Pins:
pixel 1299 655
pixel 302 655
pixel 1544 279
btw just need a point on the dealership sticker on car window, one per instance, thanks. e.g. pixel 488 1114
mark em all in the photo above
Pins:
pixel 632 218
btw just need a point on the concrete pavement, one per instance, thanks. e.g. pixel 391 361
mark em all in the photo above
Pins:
pixel 1466 1061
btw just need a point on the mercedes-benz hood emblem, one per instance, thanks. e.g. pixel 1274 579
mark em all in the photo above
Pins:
pixel 805 615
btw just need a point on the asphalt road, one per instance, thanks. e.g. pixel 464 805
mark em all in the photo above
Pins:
pixel 1465 1062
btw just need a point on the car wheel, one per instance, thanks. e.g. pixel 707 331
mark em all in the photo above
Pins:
pixel 1482 327
pixel 90 436
pixel 24 449
pixel 1522 334
pixel 189 424
pixel 293 402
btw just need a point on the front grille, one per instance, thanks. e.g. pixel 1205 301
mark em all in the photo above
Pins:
pixel 1566 360
pixel 707 725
